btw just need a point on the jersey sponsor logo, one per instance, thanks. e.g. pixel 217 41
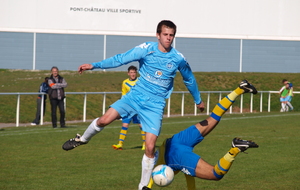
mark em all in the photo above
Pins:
pixel 158 73
pixel 143 46
pixel 157 80
pixel 186 171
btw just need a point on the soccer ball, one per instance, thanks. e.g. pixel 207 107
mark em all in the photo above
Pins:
pixel 162 175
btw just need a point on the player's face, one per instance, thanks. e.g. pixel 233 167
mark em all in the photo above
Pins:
pixel 165 38
pixel 54 72
pixel 287 85
pixel 132 74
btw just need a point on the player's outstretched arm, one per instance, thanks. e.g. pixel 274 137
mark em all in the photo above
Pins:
pixel 84 67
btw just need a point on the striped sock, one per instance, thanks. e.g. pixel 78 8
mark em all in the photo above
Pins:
pixel 225 103
pixel 123 134
pixel 223 165
pixel 143 134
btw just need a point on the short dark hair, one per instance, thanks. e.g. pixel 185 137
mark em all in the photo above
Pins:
pixel 132 68
pixel 284 80
pixel 166 23
pixel 54 67
pixel 46 78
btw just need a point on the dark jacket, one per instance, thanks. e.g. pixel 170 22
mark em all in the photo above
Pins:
pixel 44 88
pixel 53 93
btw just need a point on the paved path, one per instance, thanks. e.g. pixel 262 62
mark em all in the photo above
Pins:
pixel 3 125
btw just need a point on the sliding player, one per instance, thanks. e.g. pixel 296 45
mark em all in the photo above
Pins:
pixel 177 151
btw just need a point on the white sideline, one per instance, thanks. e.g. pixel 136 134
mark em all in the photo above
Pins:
pixel 48 129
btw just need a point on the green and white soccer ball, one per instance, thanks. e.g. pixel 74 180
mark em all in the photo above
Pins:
pixel 162 175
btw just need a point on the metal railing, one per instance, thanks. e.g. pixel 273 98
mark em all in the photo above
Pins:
pixel 208 100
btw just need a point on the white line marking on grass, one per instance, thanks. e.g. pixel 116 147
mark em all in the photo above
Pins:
pixel 76 127
pixel 235 118
pixel 47 130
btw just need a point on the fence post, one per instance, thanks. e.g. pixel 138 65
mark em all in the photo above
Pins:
pixel 169 105
pixel 42 110
pixel 269 102
pixel 251 103
pixel 84 107
pixel 182 104
pixel 241 105
pixel 104 104
pixel 18 111
pixel 207 104
pixel 261 102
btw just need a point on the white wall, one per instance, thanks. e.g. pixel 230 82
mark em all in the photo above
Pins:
pixel 239 19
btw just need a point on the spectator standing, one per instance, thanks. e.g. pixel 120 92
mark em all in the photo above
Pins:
pixel 56 95
pixel 43 88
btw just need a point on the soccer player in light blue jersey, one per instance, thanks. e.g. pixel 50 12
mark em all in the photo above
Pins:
pixel 158 64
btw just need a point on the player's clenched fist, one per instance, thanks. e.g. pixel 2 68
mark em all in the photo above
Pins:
pixel 84 67
pixel 201 106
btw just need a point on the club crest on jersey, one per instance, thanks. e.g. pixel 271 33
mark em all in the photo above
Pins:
pixel 158 73
pixel 169 65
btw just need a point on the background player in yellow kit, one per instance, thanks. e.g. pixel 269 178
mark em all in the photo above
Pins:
pixel 126 86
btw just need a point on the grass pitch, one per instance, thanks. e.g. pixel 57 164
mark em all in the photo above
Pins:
pixel 32 157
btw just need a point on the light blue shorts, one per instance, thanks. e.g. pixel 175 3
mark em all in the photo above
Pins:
pixel 134 120
pixel 179 153
pixel 149 109
pixel 287 98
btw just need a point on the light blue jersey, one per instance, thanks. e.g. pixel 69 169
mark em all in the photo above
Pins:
pixel 157 72
pixel 157 69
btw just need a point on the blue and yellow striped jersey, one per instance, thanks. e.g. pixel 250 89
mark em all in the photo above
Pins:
pixel 127 84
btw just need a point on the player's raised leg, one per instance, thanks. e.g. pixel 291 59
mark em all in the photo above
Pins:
pixel 206 126
pixel 95 127
pixel 207 171
pixel 203 169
